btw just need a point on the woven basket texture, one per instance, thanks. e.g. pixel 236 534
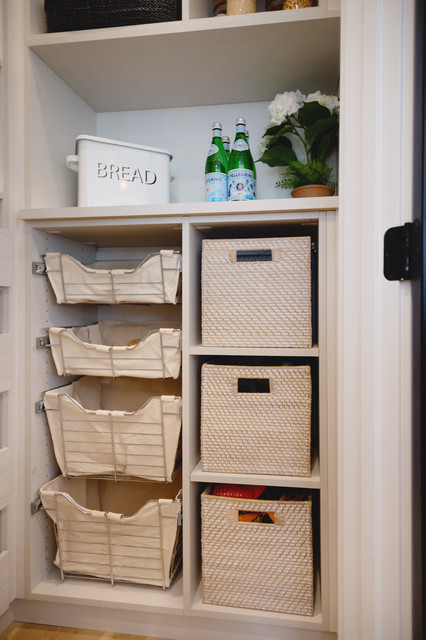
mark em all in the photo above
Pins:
pixel 256 565
pixel 257 303
pixel 268 433
pixel 72 15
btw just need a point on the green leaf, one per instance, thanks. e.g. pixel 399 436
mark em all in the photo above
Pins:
pixel 271 131
pixel 279 143
pixel 322 137
pixel 326 144
pixel 311 112
pixel 301 173
pixel 321 127
pixel 278 132
pixel 278 156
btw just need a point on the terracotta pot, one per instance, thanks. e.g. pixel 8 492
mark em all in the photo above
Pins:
pixel 312 191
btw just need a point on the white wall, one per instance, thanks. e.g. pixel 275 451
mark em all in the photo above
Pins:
pixel 186 133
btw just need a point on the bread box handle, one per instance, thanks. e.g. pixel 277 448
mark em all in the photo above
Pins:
pixel 72 162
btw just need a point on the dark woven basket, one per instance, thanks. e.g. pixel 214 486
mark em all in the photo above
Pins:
pixel 72 15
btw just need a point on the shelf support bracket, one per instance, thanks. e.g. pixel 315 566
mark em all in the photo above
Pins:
pixel 36 505
pixel 42 342
pixel 39 268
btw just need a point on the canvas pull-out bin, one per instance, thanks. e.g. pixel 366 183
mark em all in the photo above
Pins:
pixel 256 292
pixel 154 280
pixel 116 428
pixel 256 419
pixel 120 532
pixel 256 565
pixel 110 348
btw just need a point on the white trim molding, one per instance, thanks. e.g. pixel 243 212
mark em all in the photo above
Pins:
pixel 374 322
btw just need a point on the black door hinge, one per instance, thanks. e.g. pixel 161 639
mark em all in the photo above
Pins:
pixel 402 252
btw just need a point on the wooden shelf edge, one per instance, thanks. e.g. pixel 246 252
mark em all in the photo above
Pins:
pixel 192 209
pixel 102 594
pixel 208 23
pixel 199 350
pixel 313 482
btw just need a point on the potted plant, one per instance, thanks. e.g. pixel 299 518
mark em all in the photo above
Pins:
pixel 314 121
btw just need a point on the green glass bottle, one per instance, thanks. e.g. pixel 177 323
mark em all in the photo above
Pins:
pixel 216 170
pixel 254 164
pixel 241 172
pixel 226 145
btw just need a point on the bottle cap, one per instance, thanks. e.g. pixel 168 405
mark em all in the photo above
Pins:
pixel 241 121
pixel 225 139
pixel 217 125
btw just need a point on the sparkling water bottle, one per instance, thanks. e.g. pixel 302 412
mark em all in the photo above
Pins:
pixel 254 164
pixel 241 174
pixel 216 171
pixel 226 146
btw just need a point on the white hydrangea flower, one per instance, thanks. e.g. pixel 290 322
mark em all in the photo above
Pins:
pixel 314 97
pixel 285 104
pixel 263 141
pixel 331 102
pixel 263 144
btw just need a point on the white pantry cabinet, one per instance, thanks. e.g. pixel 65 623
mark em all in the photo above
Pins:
pixel 127 236
pixel 163 85
pixel 147 84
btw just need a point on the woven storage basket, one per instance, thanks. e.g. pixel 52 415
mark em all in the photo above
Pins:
pixel 72 15
pixel 256 419
pixel 256 565
pixel 256 292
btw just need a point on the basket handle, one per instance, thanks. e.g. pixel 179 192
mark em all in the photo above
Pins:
pixel 254 255
pixel 72 162
pixel 251 517
pixel 253 385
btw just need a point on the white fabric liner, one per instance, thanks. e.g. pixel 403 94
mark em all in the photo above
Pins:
pixel 111 348
pixel 116 427
pixel 115 531
pixel 154 280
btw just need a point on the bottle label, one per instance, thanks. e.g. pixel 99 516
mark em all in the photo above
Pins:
pixel 213 149
pixel 240 145
pixel 216 187
pixel 242 185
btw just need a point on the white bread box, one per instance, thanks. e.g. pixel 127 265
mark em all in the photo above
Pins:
pixel 119 173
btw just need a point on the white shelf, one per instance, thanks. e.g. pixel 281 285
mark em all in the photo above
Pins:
pixel 313 482
pixel 199 350
pixel 120 595
pixel 167 64
pixel 301 206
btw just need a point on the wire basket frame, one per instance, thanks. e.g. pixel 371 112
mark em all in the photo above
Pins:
pixel 110 547
pixel 153 280
pixel 122 445
pixel 155 354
